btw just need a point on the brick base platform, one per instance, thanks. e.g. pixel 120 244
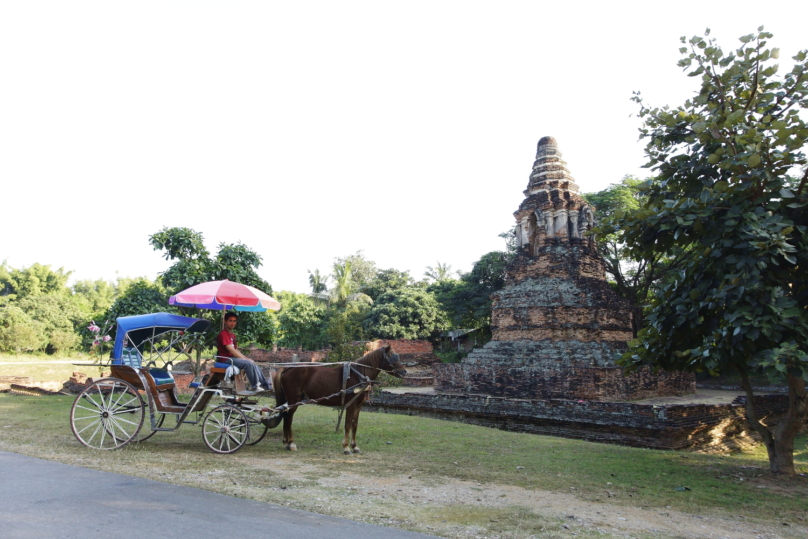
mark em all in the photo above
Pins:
pixel 718 427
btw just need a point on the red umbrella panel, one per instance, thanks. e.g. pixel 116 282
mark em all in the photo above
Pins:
pixel 225 295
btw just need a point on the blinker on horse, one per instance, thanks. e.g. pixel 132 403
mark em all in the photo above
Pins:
pixel 294 384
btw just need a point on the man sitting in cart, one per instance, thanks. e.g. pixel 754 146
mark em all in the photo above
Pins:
pixel 228 351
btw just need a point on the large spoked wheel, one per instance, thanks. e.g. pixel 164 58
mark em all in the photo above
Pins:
pixel 108 414
pixel 225 429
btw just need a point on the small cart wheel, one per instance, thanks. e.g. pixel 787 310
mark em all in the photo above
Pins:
pixel 225 429
pixel 257 429
pixel 108 414
pixel 143 437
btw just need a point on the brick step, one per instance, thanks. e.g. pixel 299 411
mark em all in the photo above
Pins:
pixel 418 381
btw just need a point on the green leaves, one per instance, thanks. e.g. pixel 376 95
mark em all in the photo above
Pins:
pixel 726 214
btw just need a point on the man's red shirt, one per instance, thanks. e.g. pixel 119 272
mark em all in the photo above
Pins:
pixel 225 338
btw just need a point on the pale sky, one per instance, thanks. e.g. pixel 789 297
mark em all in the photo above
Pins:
pixel 311 130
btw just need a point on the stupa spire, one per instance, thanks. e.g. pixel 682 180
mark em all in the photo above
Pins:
pixel 552 208
pixel 549 170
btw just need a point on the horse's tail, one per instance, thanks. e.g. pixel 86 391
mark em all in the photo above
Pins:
pixel 277 384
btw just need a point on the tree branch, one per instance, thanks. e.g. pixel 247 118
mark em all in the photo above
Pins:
pixel 802 181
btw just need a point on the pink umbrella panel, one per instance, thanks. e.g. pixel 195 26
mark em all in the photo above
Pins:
pixel 225 295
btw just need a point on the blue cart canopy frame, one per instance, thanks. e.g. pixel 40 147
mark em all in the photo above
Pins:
pixel 138 329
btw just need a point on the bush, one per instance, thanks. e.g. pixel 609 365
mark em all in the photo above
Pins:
pixel 453 356
pixel 19 332
pixel 62 340
pixel 345 352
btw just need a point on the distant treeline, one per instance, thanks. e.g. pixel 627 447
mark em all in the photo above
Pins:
pixel 39 312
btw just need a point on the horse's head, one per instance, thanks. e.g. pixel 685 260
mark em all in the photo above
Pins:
pixel 391 363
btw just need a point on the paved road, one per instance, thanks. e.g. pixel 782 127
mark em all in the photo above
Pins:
pixel 40 499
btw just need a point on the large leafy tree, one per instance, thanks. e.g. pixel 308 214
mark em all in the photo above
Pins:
pixel 193 264
pixel 468 300
pixel 633 279
pixel 140 296
pixel 724 207
pixel 406 313
pixel 301 321
pixel 387 280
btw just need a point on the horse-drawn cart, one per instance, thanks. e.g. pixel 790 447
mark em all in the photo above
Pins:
pixel 111 412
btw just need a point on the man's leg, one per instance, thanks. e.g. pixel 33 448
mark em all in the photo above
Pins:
pixel 248 367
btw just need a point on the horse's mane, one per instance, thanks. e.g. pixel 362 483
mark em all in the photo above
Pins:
pixel 372 358
pixel 372 361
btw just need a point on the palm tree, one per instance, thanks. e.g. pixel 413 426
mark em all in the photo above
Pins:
pixel 441 272
pixel 343 284
pixel 317 282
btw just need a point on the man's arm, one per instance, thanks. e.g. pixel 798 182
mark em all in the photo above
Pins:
pixel 235 352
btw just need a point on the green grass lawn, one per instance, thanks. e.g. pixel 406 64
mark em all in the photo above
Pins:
pixel 430 451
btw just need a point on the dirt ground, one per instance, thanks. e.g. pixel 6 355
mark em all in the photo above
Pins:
pixel 405 500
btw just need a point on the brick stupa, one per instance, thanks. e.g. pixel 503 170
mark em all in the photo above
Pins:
pixel 557 323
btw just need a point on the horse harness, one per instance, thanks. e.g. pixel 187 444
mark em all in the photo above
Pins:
pixel 364 381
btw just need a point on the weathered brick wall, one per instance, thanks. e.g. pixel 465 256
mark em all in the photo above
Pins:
pixel 403 346
pixel 555 381
pixel 182 381
pixel 561 257
pixel 652 426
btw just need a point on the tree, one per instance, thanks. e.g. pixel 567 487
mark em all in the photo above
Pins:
pixel 193 264
pixel 439 273
pixel 300 320
pixel 468 301
pixel 94 296
pixel 387 280
pixel 633 279
pixel 362 270
pixel 141 296
pixel 35 280
pixel 318 282
pixel 343 284
pixel 406 313
pixel 59 317
pixel 19 332
pixel 724 208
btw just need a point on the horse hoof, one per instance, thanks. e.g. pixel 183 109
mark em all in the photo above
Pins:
pixel 346 451
pixel 357 451
pixel 291 447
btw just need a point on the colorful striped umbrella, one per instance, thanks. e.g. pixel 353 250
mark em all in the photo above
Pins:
pixel 225 295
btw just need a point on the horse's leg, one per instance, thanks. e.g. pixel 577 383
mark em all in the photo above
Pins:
pixel 288 438
pixel 346 440
pixel 292 397
pixel 354 424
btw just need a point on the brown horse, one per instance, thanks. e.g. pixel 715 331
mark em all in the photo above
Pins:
pixel 296 384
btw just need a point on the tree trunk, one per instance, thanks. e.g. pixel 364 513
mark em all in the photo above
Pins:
pixel 197 364
pixel 780 445
pixel 789 426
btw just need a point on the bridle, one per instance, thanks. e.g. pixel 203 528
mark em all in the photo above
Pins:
pixel 395 368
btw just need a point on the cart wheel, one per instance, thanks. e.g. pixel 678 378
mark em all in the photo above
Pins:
pixel 226 429
pixel 257 429
pixel 108 414
pixel 147 425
